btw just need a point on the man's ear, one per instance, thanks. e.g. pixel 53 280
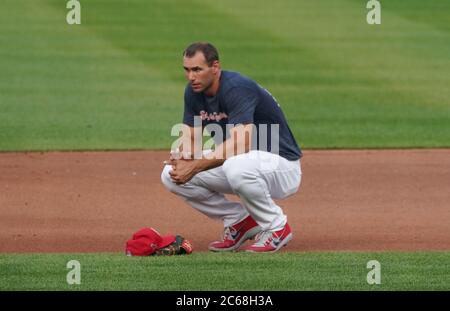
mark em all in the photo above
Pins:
pixel 215 66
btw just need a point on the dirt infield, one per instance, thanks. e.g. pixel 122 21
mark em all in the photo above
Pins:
pixel 349 200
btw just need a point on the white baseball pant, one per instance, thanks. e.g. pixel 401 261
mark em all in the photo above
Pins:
pixel 257 177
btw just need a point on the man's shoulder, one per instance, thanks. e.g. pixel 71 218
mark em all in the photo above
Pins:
pixel 233 79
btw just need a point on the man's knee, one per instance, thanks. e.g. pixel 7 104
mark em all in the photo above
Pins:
pixel 238 171
pixel 166 180
pixel 188 191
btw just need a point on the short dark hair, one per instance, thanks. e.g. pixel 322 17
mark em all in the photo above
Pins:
pixel 208 50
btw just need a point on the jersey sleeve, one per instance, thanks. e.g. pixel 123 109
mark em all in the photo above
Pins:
pixel 189 113
pixel 241 103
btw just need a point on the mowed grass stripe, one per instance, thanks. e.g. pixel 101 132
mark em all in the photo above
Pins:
pixel 65 87
pixel 236 271
pixel 116 82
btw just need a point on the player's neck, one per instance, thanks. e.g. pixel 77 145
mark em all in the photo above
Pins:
pixel 214 88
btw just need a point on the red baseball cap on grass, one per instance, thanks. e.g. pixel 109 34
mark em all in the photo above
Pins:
pixel 146 241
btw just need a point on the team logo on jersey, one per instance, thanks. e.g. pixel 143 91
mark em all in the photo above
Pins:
pixel 214 116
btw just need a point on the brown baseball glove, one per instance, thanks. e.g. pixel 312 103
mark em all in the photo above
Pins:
pixel 180 246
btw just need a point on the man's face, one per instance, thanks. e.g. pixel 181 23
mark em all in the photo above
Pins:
pixel 198 73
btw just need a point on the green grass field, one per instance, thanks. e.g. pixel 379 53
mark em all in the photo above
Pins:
pixel 116 81
pixel 235 271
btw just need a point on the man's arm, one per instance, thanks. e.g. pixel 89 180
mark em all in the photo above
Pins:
pixel 239 142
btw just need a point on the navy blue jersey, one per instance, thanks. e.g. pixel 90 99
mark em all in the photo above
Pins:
pixel 240 100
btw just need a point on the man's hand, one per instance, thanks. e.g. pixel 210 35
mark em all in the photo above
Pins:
pixel 182 170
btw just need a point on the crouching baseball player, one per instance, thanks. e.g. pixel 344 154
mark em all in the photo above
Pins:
pixel 255 157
